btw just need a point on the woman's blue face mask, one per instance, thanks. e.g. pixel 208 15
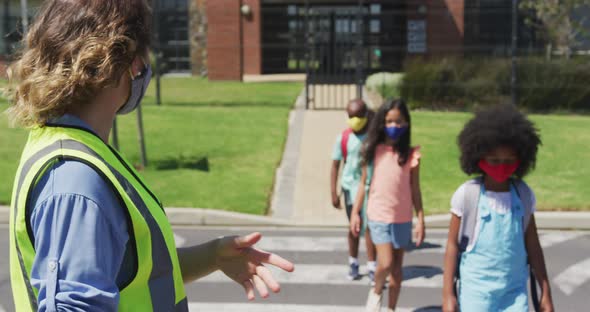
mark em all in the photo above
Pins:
pixel 139 86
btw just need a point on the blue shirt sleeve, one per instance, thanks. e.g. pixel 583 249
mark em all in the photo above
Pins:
pixel 80 236
pixel 337 151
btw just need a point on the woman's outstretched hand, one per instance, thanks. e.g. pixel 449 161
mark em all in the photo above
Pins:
pixel 242 262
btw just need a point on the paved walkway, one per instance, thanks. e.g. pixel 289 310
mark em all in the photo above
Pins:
pixel 302 190
pixel 312 202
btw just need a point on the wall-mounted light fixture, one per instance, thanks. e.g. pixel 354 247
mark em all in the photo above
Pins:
pixel 422 9
pixel 246 10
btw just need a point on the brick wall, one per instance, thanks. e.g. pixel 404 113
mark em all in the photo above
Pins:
pixel 224 50
pixel 444 26
pixel 445 22
pixel 252 36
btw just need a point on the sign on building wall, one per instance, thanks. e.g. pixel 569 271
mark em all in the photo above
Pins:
pixel 417 36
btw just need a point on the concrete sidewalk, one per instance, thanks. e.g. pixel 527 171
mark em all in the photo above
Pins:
pixel 213 217
pixel 312 202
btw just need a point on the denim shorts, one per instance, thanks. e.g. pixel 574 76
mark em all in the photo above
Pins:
pixel 397 234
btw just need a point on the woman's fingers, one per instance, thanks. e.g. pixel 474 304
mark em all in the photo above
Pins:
pixel 249 288
pixel 247 241
pixel 273 259
pixel 260 286
pixel 267 277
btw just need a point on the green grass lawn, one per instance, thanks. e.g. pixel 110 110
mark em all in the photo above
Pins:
pixel 222 157
pixel 200 92
pixel 559 181
pixel 216 145
pixel 210 145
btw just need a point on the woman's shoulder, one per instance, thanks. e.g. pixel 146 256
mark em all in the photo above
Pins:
pixel 68 184
pixel 70 177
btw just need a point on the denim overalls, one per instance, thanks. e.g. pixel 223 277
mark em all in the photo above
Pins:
pixel 494 273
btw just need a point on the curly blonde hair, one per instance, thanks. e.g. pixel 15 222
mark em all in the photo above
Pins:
pixel 73 50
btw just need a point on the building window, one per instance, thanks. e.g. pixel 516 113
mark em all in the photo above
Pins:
pixel 486 34
pixel 287 34
pixel 173 33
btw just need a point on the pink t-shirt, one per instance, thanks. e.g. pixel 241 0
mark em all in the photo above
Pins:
pixel 390 195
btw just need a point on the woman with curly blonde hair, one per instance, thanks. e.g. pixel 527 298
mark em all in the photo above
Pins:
pixel 86 233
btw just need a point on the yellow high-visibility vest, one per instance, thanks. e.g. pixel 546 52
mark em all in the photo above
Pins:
pixel 157 284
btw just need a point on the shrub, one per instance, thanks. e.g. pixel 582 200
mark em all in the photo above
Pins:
pixel 387 85
pixel 559 84
pixel 463 83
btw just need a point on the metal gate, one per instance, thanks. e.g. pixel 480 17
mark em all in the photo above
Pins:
pixel 345 43
pixel 335 64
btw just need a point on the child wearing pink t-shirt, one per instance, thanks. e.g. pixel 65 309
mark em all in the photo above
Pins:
pixel 394 191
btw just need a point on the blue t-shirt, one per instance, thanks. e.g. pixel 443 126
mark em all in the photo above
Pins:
pixel 81 238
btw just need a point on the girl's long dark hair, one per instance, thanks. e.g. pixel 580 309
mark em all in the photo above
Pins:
pixel 376 133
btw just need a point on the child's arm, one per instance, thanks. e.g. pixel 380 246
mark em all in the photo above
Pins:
pixel 450 267
pixel 537 262
pixel 334 182
pixel 355 220
pixel 417 200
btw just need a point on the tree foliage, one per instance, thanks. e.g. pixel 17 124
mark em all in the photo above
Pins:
pixel 559 20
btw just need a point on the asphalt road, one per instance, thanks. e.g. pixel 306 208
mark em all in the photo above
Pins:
pixel 319 282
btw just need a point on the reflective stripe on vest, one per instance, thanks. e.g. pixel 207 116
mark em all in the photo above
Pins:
pixel 158 272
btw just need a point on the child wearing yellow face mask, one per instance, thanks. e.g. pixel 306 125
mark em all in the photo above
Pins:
pixel 348 150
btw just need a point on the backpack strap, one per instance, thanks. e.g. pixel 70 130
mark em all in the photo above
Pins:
pixel 344 143
pixel 524 192
pixel 470 202
pixel 471 193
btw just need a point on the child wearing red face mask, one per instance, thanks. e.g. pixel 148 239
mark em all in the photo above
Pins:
pixel 492 236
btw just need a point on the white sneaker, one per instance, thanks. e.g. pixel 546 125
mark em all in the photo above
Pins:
pixel 374 302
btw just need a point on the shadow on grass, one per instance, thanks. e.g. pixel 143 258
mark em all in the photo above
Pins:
pixel 183 162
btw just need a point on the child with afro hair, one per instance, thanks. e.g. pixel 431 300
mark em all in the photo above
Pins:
pixel 492 235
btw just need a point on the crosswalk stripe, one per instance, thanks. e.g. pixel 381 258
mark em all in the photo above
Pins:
pixel 261 307
pixel 327 244
pixel 422 277
pixel 340 243
pixel 2 309
pixel 330 243
pixel 553 238
pixel 573 277
pixel 302 243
